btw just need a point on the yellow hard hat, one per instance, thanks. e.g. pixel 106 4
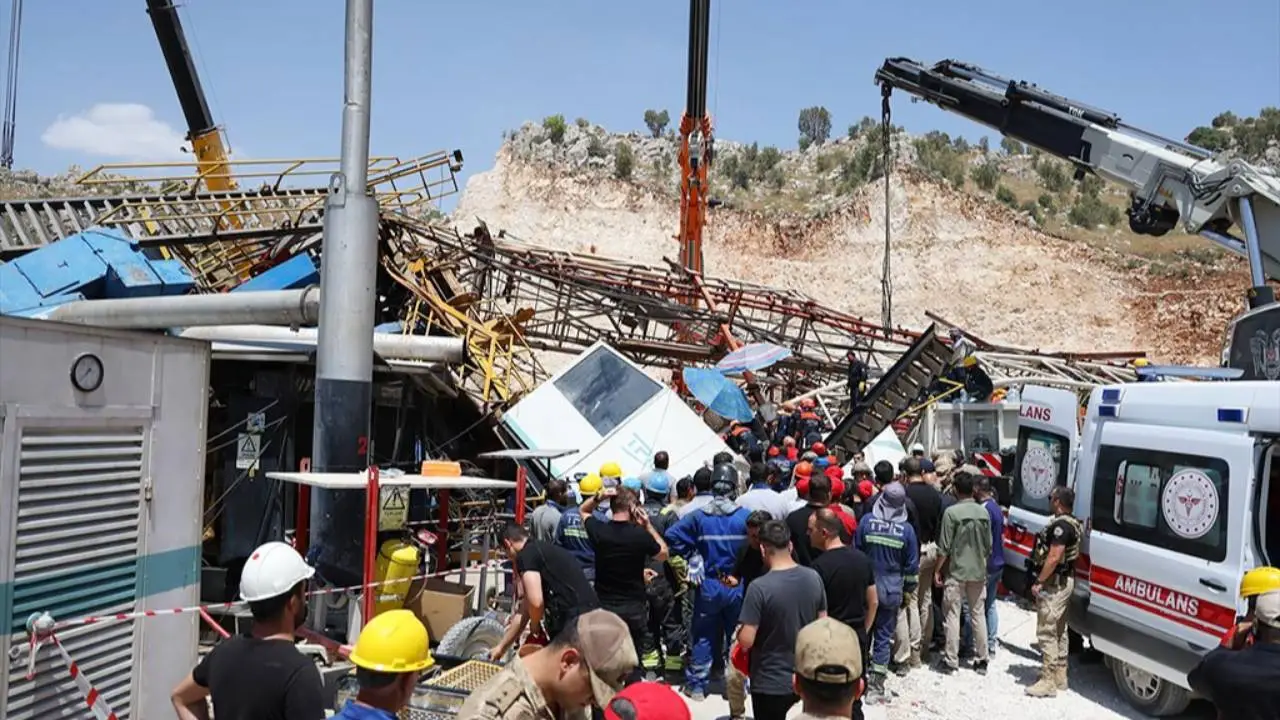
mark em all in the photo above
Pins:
pixel 611 469
pixel 1260 580
pixel 1140 362
pixel 590 485
pixel 393 642
pixel 970 361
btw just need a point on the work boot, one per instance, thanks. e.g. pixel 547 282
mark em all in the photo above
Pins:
pixel 1060 678
pixel 915 661
pixel 1045 687
pixel 875 689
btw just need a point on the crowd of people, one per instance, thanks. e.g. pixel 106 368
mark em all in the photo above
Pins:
pixel 715 575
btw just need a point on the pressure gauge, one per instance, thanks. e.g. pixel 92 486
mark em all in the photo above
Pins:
pixel 87 372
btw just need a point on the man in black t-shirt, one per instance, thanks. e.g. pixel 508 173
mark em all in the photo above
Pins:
pixel 553 587
pixel 624 545
pixel 261 675
pixel 849 580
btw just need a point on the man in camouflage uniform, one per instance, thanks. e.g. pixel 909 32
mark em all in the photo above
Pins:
pixel 599 655
pixel 1052 561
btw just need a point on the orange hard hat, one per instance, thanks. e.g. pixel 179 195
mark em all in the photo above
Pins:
pixel 773 451
pixel 803 468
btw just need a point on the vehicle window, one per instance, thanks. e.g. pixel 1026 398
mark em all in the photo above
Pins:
pixel 946 430
pixel 1041 465
pixel 605 389
pixel 1171 500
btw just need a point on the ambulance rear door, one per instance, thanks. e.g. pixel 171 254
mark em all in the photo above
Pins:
pixel 1169 521
pixel 1048 435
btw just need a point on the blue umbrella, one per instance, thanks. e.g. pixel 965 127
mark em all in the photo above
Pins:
pixel 754 356
pixel 718 393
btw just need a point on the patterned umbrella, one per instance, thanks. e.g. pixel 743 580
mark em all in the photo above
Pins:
pixel 753 357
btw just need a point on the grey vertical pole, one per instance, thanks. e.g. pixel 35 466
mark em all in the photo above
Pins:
pixel 1260 293
pixel 344 356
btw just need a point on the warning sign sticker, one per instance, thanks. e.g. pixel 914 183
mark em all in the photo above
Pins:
pixel 394 514
pixel 1190 503
pixel 248 450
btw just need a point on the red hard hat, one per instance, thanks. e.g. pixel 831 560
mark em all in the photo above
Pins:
pixel 837 488
pixel 773 451
pixel 819 448
pixel 866 489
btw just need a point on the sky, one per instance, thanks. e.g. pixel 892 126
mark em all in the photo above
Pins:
pixel 93 87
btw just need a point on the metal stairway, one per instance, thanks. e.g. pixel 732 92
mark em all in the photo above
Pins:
pixel 897 390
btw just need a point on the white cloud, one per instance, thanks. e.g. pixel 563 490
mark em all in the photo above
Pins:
pixel 126 131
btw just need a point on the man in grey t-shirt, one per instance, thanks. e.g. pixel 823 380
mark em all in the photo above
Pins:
pixel 776 606
pixel 544 520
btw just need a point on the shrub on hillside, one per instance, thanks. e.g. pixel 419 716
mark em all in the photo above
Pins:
pixel 984 145
pixel 937 156
pixel 656 121
pixel 582 123
pixel 1091 211
pixel 555 127
pixel 1031 208
pixel 596 148
pixel 828 161
pixel 1046 201
pixel 623 160
pixel 1006 196
pixel 769 157
pixel 1052 176
pixel 986 175
pixel 1012 147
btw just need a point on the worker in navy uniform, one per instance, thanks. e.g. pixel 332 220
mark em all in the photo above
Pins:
pixel 1244 683
pixel 1052 565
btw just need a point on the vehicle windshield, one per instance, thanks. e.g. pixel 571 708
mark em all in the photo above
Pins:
pixel 1269 506
pixel 1041 465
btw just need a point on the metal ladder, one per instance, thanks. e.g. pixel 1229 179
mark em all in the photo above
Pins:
pixel 901 386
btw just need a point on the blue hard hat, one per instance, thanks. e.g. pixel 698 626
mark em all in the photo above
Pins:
pixel 631 482
pixel 658 482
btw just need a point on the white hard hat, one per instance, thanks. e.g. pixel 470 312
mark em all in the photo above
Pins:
pixel 917 447
pixel 272 570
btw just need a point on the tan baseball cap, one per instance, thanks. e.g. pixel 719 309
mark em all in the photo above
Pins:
pixel 1267 609
pixel 605 642
pixel 827 651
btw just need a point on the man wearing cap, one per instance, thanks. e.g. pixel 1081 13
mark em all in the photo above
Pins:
pixel 1245 684
pixel 828 668
pixel 889 540
pixel 585 665
pixel 647 701
pixel 260 675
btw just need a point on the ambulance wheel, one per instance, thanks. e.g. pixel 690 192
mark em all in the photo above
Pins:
pixel 1152 695
pixel 471 638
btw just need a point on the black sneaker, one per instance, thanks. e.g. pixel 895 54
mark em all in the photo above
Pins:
pixel 943 668
pixel 980 667
pixel 899 669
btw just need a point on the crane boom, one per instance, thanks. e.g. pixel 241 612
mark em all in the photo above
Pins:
pixel 206 139
pixel 693 168
pixel 1171 183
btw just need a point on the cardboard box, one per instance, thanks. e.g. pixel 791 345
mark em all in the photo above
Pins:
pixel 439 604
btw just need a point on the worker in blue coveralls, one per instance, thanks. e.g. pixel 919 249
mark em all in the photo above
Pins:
pixel 889 540
pixel 717 531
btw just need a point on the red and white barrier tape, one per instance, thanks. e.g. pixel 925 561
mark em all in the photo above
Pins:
pixel 92 697
pixel 123 617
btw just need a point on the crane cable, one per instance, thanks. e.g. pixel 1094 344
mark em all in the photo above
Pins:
pixel 11 85
pixel 886 282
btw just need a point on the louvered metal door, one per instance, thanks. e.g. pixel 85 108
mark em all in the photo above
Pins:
pixel 77 538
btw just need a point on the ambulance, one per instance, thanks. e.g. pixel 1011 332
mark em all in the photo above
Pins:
pixel 1174 483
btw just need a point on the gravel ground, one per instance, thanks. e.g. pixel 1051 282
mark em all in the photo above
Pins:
pixel 925 694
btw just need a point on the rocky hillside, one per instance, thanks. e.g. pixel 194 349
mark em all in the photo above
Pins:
pixel 1002 242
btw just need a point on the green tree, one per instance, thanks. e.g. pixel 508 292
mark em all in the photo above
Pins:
pixel 1225 120
pixel 814 125
pixel 1209 138
pixel 1007 196
pixel 960 144
pixel 936 155
pixel 1091 186
pixel 1088 212
pixel 986 175
pixel 766 160
pixel 623 161
pixel 555 127
pixel 656 121
pixel 984 145
pixel 1012 147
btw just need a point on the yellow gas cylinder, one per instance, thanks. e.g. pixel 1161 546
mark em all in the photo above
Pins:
pixel 397 562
